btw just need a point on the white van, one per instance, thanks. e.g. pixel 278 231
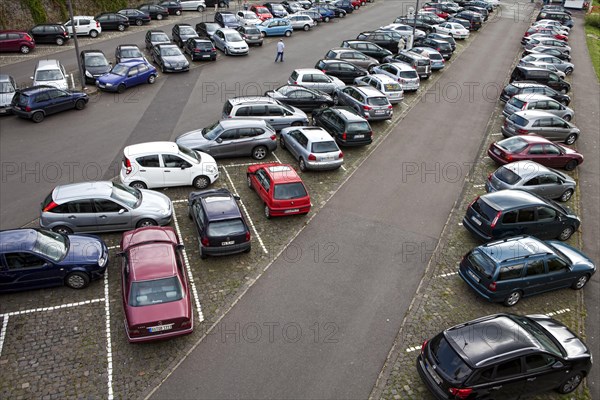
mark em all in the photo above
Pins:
pixel 51 73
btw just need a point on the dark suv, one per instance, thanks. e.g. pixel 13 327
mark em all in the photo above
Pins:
pixel 368 48
pixel 38 101
pixel 528 87
pixel 226 19
pixel 540 75
pixel 506 270
pixel 513 212
pixel 346 127
pixel 382 39
pixel 182 32
pixel 475 19
pixel 443 47
pixel 503 356
pixel 221 227
pixel 50 33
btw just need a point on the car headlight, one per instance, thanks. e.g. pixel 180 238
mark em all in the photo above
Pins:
pixel 164 212
pixel 102 261
pixel 109 84
pixel 211 169
pixel 167 64
pixel 88 74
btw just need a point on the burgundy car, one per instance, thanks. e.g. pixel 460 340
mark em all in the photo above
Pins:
pixel 535 148
pixel 16 41
pixel 156 295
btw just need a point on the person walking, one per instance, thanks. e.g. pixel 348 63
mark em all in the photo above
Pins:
pixel 401 44
pixel 280 48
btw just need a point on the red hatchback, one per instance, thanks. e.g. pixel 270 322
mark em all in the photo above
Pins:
pixel 280 189
pixel 535 148
pixel 262 12
pixel 156 295
pixel 16 41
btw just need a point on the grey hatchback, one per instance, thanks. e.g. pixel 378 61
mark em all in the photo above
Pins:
pixel 103 207
pixel 232 138
pixel 540 123
pixel 367 101
pixel 313 147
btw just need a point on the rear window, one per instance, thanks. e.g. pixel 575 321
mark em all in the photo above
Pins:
pixel 227 107
pixel 423 62
pixel 480 262
pixel 516 103
pixel 513 145
pixel 355 127
pixel 484 209
pixel 511 90
pixel 294 76
pixel 204 46
pixel 444 45
pixel 158 291
pixel 377 101
pixel 506 175
pixel 324 147
pixel 252 31
pixel 518 120
pixel 448 360
pixel 226 228
pixel 288 191
pixel 21 99
pixel 435 56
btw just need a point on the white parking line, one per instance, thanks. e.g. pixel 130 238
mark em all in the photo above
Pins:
pixel 246 212
pixel 446 275
pixel 179 201
pixel 189 270
pixel 239 165
pixel 113 247
pixel 109 367
pixel 495 134
pixel 564 310
pixel 277 158
pixel 344 168
pixel 414 348
pixel 52 308
pixel 3 332
pixel 479 186
pixel 460 224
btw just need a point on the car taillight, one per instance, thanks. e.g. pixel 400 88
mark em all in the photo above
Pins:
pixel 312 157
pixel 371 133
pixel 492 286
pixel 524 106
pixel 521 131
pixel 28 38
pixel 214 49
pixel 490 176
pixel 27 108
pixel 65 33
pixel 50 206
pixel 414 67
pixel 197 50
pixel 204 241
pixel 273 137
pixel 187 323
pixel 390 107
pixel 97 24
pixel 295 83
pixel 473 202
pixel 247 236
pixel 367 108
pixel 128 168
pixel 341 155
pixel 438 49
pixel 460 393
pixel 423 346
pixel 495 221
pixel 323 71
pixel 344 136
pixel 443 61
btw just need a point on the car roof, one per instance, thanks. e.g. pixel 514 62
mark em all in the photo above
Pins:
pixel 315 134
pixel 227 30
pixel 309 71
pixel 219 204
pixel 243 123
pixel 5 78
pixel 17 240
pixel 128 45
pixel 520 84
pixel 529 114
pixel 151 147
pixel 153 260
pixel 526 168
pixel 531 139
pixel 412 54
pixel 92 52
pixel 402 66
pixel 383 78
pixel 281 172
pixel 369 91
pixel 347 114
pixel 515 248
pixel 532 97
pixel 511 198
pixel 163 45
pixel 35 89
pixel 252 99
pixel 64 193
pixel 47 64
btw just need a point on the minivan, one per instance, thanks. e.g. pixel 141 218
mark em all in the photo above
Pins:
pixel 420 63
pixel 272 111
pixel 51 73
pixel 522 102
pixel 540 75
pixel 346 127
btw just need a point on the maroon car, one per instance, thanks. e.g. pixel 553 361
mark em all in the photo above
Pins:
pixel 156 295
pixel 535 148
pixel 16 41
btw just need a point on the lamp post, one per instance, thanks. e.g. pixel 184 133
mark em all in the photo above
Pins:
pixel 81 76
pixel 412 40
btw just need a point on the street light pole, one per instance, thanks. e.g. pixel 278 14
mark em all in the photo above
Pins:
pixel 414 24
pixel 81 76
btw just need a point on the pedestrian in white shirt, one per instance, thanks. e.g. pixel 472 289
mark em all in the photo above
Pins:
pixel 280 48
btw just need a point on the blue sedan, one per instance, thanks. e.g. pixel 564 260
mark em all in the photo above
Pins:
pixel 125 75
pixel 276 27
pixel 31 259
pixel 326 13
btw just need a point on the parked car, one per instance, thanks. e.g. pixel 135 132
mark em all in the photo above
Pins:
pixel 279 188
pixel 251 35
pixel 532 177
pixel 248 18
pixel 562 17
pixel 561 65
pixel 84 25
pixel 127 74
pixel 344 125
pixel 522 102
pixel 112 22
pixel 338 12
pixel 351 56
pixel 156 295
pixel 200 49
pixel 535 148
pixel 222 229
pixel 539 75
pixel 103 206
pixel 16 41
pixel 367 48
pixel 404 30
pixel 169 58
pixel 154 37
pixel 313 14
pixel 313 147
pixel 558 52
pixel 385 84
pixel 549 67
pixel 346 5
pixel 38 258
pixel 436 59
pixel 368 102
pixel 261 12
pixel 37 102
pixel 475 19
pixel 193 5
pixel 526 87
pixel 403 73
pixel 382 39
pixel 540 123
pixel 465 23
pixel 420 63
pixel 8 89
pixel 173 7
pixel 182 32
pixel 135 16
pixel 301 97
pixel 444 48
pixel 49 33
pixel 303 22
pixel 315 79
pixel 276 27
pixel 50 73
pixel 94 64
pixel 128 52
pixel 547 41
pixel 275 113
pixel 154 11
pixel 344 71
pixel 230 42
pixel 419 23
pixel 536 354
pixel 326 14
pixel 235 137
pixel 509 213
pixel 276 9
pixel 166 164
pixel 207 29
pixel 226 19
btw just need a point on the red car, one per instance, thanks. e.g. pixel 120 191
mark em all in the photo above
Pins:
pixel 436 11
pixel 156 295
pixel 545 30
pixel 262 12
pixel 358 3
pixel 280 189
pixel 16 41
pixel 535 148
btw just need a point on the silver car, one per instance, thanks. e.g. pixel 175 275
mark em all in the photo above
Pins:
pixel 232 138
pixel 352 56
pixel 8 88
pixel 403 73
pixel 248 18
pixel 103 206
pixel 191 5
pixel 313 147
pixel 540 123
pixel 272 111
pixel 368 102
pixel 532 177
pixel 560 65
pixel 532 101
pixel 315 79
pixel 385 84
pixel 303 22
pixel 230 42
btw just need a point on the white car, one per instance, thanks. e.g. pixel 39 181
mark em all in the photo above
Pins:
pixel 247 18
pixel 402 73
pixel 87 26
pixel 404 30
pixel 50 72
pixel 302 22
pixel 165 164
pixel 551 22
pixel 453 29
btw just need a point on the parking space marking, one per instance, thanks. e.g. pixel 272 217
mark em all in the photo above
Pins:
pixel 414 348
pixel 479 186
pixel 460 224
pixel 277 158
pixel 109 368
pixel 447 274
pixel 564 310
pixel 113 247
pixel 344 168
pixel 178 201
pixel 496 134
pixel 3 332
pixel 239 165
pixel 189 270
pixel 51 308
pixel 246 212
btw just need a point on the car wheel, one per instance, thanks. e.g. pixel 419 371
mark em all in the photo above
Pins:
pixel 282 142
pixel 152 79
pixel 63 230
pixel 570 384
pixel 202 255
pixel 267 212
pixel 121 88
pixel 567 117
pixel 566 233
pixel 139 22
pixel 263 34
pixel 306 27
pixel 121 28
pixel 138 185
pixel 568 71
pixel 60 41
pixel 226 50
pixel 77 280
pixel 259 152
pixel 146 222
pixel 563 91
pixel 342 15
pixel 248 250
pixel 249 181
pixel 370 68
pixel 566 195
pixel 356 7
pixel 159 17
pixel 302 164
pixel 80 104
pixel 580 282
pixel 512 299
pixel 37 117
pixel 25 49
pixel 200 9
pixel 288 33
pixel 178 12
pixel 93 34
pixel 201 182
pixel 336 99
pixel 326 19
pixel 571 165
pixel 571 138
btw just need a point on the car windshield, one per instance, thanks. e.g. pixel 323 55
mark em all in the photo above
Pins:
pixel 361 126
pixel 49 75
pixel 96 61
pixel 169 51
pixel 6 87
pixel 120 70
pixel 507 176
pixel 408 74
pixel 212 132
pixel 159 37
pixel 158 291
pixel 189 152
pixel 378 101
pixel 448 360
pixel 226 228
pixel 131 53
pixel 481 262
pixel 516 103
pixel 186 30
pixel 324 147
pixel 513 145
pixel 126 195
pixel 540 334
pixel 288 191
pixel 52 245
pixel 252 31
pixel 233 37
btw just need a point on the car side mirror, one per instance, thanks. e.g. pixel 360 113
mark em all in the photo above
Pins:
pixel 235 196
pixel 31 77
pixel 180 247
pixel 557 364
pixel 122 211
pixel 219 140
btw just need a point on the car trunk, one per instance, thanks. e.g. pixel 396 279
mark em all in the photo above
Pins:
pixel 226 233
pixel 482 216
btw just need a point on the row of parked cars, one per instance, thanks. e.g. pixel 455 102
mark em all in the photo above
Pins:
pixel 533 353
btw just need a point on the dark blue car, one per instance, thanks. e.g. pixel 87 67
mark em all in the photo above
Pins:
pixel 125 75
pixel 36 102
pixel 326 13
pixel 31 259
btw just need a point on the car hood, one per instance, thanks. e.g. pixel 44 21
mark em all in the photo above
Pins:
pixel 153 201
pixel 568 340
pixel 83 249
pixel 175 59
pixel 99 70
pixel 337 82
pixel 574 255
pixel 109 77
pixel 193 140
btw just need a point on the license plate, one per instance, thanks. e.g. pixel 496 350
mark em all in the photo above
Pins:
pixel 379 111
pixel 292 210
pixel 177 68
pixel 160 328
pixel 253 37
pixel 328 158
pixel 478 222
pixel 472 275
pixel 496 152
pixel 206 56
pixel 359 136
pixel 227 243
pixel 433 374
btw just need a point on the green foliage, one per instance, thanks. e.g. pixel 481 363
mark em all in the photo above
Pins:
pixel 64 11
pixel 593 43
pixel 593 20
pixel 38 13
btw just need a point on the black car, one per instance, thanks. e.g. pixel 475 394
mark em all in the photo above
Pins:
pixel 540 75
pixel 169 58
pixel 200 49
pixel 482 11
pixel 344 125
pixel 419 24
pixel 443 47
pixel 222 229
pixel 443 37
pixel 182 32
pixel 343 70
pixel 154 37
pixel 475 19
pixel 226 19
pixel 337 11
pixel 173 7
pixel 301 97
pixel 125 52
pixel 154 11
pixel 557 52
pixel 38 101
pixel 207 29
pixel 368 48
pixel 49 33
pixel 514 212
pixel 112 21
pixel 525 87
pixel 482 4
pixel 276 9
pixel 445 7
pixel 135 16
pixel 382 39
pixel 94 64
pixel 345 5
pixel 525 355
pixel 465 23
